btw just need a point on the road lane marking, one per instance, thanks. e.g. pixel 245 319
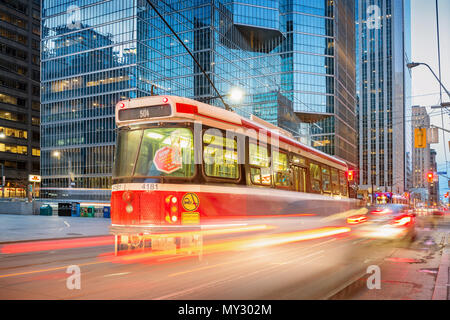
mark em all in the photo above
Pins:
pixel 116 274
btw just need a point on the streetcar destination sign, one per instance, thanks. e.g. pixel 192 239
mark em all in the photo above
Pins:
pixel 144 112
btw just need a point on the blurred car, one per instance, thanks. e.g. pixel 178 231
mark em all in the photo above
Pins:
pixel 387 221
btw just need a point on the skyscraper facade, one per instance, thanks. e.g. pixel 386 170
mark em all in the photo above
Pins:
pixel 293 60
pixel 19 94
pixel 383 93
pixel 421 156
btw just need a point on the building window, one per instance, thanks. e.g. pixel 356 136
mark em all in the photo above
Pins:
pixel 11 148
pixel 14 133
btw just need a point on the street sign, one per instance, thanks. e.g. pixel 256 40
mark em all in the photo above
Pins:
pixel 34 178
pixel 420 137
pixel 432 135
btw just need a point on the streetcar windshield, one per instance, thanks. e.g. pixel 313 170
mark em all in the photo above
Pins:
pixel 155 152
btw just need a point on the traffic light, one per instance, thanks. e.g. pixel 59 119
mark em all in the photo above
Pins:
pixel 420 137
pixel 350 175
pixel 430 177
pixel 446 195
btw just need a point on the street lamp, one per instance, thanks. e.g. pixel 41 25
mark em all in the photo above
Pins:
pixel 415 64
pixel 235 94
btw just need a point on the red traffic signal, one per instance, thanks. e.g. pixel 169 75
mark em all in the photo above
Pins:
pixel 350 175
pixel 446 195
pixel 430 176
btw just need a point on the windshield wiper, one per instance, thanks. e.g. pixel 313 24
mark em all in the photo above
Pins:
pixel 137 154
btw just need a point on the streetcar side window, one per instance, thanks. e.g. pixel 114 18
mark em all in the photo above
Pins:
pixel 220 155
pixel 326 180
pixel 314 171
pixel 280 169
pixel 343 185
pixel 334 181
pixel 259 162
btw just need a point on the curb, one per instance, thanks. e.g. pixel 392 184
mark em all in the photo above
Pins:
pixel 442 280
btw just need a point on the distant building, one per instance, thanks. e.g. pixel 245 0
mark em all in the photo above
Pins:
pixel 19 93
pixel 433 186
pixel 294 60
pixel 383 48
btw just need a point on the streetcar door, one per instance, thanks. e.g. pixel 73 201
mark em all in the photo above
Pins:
pixel 299 179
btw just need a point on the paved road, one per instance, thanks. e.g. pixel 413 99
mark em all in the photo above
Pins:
pixel 409 273
pixel 235 267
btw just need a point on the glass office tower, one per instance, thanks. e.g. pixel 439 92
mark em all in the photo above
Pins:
pixel 384 94
pixel 283 55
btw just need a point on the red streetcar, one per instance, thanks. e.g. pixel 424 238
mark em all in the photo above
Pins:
pixel 182 164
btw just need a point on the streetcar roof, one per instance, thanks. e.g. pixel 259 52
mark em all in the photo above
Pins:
pixel 185 108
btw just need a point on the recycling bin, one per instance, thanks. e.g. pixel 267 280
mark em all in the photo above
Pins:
pixel 106 212
pixel 75 209
pixel 46 210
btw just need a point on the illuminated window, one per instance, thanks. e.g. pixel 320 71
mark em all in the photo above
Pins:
pixel 259 162
pixel 335 181
pixel 220 157
pixel 36 152
pixel 326 182
pixel 15 133
pixel 343 184
pixel 281 169
pixel 13 148
pixel 315 177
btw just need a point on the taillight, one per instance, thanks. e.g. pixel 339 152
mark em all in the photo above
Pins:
pixel 356 219
pixel 402 221
pixel 171 204
pixel 127 196
pixel 380 212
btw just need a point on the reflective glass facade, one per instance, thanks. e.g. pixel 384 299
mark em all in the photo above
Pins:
pixel 383 90
pixel 281 53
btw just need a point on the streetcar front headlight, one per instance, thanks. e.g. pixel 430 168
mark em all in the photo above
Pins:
pixel 129 208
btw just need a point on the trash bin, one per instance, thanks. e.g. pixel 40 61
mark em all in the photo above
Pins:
pixel 46 210
pixel 83 211
pixel 75 209
pixel 64 209
pixel 91 211
pixel 106 212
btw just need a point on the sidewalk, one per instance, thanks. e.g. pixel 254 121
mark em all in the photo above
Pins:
pixel 33 227
pixel 442 285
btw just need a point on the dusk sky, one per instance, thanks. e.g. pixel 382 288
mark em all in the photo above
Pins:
pixel 425 88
